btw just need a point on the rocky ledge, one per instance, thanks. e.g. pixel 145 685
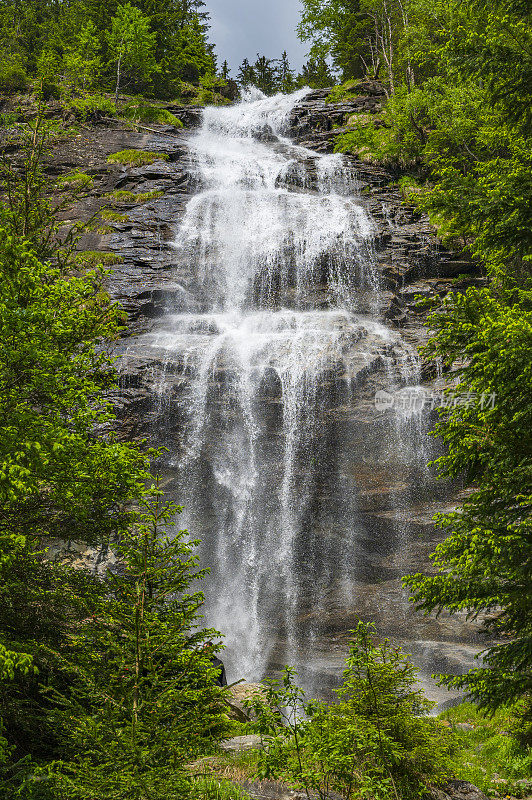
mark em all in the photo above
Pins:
pixel 316 122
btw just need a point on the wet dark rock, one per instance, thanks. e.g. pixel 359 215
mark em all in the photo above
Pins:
pixel 265 134
pixel 190 116
pixel 407 249
pixel 315 122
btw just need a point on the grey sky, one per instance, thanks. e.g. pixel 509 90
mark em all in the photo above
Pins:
pixel 242 28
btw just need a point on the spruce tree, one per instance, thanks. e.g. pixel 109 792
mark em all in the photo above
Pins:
pixel 144 698
pixel 226 71
pixel 285 75
pixel 246 74
pixel 264 73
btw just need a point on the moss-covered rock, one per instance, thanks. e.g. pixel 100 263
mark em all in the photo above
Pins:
pixel 113 216
pixel 94 258
pixel 74 180
pixel 136 158
pixel 142 112
pixel 124 196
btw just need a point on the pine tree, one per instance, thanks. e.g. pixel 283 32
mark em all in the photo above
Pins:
pixel 246 74
pixel 285 75
pixel 265 75
pixel 144 696
pixel 226 71
pixel 316 74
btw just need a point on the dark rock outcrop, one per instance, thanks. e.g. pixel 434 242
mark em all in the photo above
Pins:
pixel 316 123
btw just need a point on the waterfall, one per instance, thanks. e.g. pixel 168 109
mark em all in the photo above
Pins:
pixel 266 393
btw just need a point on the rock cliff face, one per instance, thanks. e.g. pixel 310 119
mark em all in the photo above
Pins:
pixel 394 496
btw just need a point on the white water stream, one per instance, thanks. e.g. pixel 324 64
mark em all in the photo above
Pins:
pixel 283 329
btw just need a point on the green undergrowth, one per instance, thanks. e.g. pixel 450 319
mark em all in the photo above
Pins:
pixel 410 187
pixel 489 756
pixel 207 92
pixel 368 143
pixel 210 787
pixel 234 767
pixel 482 750
pixel 123 196
pixel 136 158
pixel 9 119
pixel 142 112
pixel 90 105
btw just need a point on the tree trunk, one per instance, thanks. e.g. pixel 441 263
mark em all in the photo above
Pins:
pixel 117 80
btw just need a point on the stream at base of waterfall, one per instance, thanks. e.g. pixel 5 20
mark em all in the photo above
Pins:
pixel 303 491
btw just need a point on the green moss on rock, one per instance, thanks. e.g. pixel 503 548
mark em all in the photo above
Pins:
pixel 93 258
pixel 136 158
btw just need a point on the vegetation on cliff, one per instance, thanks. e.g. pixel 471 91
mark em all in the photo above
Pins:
pixel 376 741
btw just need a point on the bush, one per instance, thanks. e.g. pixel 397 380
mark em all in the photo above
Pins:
pixel 13 80
pixel 375 742
pixel 343 91
pixel 136 158
pixel 186 92
pixel 49 91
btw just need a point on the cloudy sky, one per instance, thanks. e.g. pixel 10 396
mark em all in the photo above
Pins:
pixel 242 28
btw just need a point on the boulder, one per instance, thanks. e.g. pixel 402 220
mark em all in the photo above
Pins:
pixel 239 743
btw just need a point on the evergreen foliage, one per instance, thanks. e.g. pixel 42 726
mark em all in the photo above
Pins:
pixel 484 566
pixel 89 46
pixel 268 75
pixel 143 697
pixel 336 30
pixel 73 724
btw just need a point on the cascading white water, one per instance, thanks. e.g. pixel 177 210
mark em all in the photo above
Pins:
pixel 283 327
